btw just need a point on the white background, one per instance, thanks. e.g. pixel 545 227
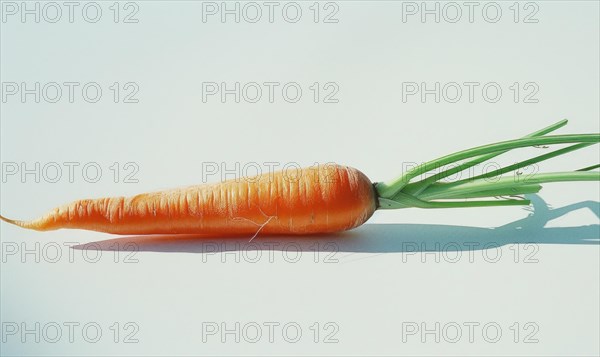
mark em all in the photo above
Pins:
pixel 364 288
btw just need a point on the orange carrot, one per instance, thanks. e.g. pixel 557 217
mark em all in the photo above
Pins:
pixel 324 199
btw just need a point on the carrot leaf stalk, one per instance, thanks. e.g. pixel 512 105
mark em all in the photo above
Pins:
pixel 404 192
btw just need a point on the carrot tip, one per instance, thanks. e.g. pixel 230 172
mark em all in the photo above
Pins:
pixel 15 222
pixel 7 219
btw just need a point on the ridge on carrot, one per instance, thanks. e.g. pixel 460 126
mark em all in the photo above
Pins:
pixel 330 198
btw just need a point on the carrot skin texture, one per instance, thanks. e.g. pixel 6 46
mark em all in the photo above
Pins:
pixel 323 199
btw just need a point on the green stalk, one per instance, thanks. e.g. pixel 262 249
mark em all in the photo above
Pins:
pixel 427 193
pixel 390 188
pixel 442 190
pixel 511 191
pixel 410 201
pixel 529 162
pixel 589 168
pixel 423 184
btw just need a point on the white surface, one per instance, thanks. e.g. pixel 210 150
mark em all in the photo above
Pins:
pixel 368 284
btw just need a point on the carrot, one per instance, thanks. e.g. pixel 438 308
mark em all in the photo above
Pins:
pixel 325 199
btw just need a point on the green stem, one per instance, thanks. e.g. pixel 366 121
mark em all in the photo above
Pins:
pixel 422 185
pixel 389 189
pixel 427 193
pixel 589 168
pixel 511 191
pixel 529 162
pixel 444 190
pixel 409 201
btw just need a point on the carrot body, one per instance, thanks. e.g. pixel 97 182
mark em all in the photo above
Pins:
pixel 323 199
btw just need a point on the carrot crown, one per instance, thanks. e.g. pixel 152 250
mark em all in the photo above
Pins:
pixel 404 191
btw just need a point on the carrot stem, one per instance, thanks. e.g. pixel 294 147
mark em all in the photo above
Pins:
pixel 444 190
pixel 529 162
pixel 407 201
pixel 422 185
pixel 426 193
pixel 511 191
pixel 389 189
pixel 589 168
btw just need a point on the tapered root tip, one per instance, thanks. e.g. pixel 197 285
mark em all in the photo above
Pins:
pixel 16 223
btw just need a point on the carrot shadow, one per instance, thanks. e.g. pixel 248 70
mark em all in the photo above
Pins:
pixel 384 238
